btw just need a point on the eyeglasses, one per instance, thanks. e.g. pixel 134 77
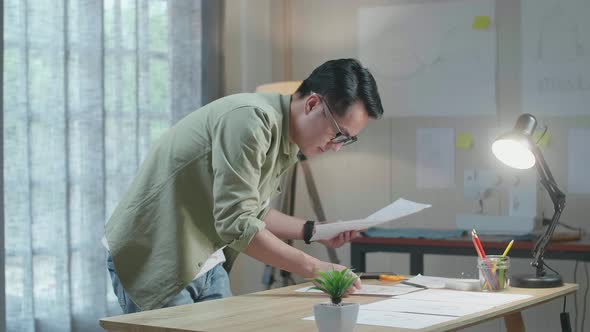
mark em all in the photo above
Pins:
pixel 340 138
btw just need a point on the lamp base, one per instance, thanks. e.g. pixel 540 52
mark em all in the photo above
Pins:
pixel 532 281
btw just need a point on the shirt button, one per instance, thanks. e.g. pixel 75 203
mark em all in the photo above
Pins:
pixel 199 264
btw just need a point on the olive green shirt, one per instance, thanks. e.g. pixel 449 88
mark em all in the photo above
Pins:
pixel 202 186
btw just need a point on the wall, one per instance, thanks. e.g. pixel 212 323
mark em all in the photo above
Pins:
pixel 381 166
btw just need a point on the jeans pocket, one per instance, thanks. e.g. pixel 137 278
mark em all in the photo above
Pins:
pixel 217 286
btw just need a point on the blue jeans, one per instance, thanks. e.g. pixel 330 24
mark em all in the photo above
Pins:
pixel 211 286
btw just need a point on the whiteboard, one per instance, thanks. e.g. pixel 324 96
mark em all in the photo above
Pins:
pixel 428 58
pixel 556 57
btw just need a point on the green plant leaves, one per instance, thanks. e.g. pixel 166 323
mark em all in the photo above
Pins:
pixel 334 283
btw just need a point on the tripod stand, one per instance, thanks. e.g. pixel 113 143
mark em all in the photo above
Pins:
pixel 287 206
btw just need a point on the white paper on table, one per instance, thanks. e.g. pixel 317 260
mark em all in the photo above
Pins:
pixel 448 283
pixel 397 319
pixel 430 282
pixel 578 180
pixel 435 158
pixel 456 309
pixel 399 208
pixel 437 282
pixel 453 296
pixel 371 290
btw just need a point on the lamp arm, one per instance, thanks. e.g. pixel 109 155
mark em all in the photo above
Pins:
pixel 547 180
pixel 558 199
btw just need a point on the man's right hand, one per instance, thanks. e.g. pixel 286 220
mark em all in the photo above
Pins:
pixel 269 249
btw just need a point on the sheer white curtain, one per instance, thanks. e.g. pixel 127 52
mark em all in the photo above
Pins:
pixel 88 86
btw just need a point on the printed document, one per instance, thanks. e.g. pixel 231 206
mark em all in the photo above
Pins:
pixel 395 210
pixel 455 309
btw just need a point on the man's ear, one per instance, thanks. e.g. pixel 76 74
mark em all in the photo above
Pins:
pixel 311 102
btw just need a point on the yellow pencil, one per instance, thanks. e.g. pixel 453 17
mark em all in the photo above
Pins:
pixel 508 248
pixel 504 254
pixel 501 276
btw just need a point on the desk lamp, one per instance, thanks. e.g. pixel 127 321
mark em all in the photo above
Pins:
pixel 517 149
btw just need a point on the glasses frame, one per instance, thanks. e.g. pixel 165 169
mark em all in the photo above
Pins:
pixel 340 138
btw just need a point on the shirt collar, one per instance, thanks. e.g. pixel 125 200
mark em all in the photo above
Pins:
pixel 289 148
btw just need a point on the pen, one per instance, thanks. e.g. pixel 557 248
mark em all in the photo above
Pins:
pixel 405 282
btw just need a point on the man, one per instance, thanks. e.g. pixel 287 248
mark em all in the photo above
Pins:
pixel 201 196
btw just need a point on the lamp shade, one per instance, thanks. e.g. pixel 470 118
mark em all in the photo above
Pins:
pixel 515 148
pixel 514 151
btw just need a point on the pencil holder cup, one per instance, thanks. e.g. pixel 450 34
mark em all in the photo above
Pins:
pixel 494 272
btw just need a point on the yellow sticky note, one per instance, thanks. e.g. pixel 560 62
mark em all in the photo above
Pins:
pixel 481 22
pixel 544 141
pixel 464 141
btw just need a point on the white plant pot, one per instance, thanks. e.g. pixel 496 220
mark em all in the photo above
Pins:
pixel 332 318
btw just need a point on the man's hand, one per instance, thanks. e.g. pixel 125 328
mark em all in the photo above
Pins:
pixel 340 239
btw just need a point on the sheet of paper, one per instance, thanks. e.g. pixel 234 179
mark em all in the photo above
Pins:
pixel 578 180
pixel 455 309
pixel 448 283
pixel 555 57
pixel 435 158
pixel 397 319
pixel 430 282
pixel 453 296
pixel 399 208
pixel 450 52
pixel 371 290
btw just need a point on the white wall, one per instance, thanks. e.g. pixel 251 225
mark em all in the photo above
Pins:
pixel 381 166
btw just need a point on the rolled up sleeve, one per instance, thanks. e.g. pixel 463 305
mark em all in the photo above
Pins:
pixel 241 139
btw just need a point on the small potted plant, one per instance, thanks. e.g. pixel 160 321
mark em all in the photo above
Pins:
pixel 335 316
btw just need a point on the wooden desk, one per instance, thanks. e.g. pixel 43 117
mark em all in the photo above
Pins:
pixel 282 310
pixel 417 248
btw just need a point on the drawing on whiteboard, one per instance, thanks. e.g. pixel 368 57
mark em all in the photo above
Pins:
pixel 431 49
pixel 406 59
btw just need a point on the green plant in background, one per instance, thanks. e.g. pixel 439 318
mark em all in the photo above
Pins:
pixel 335 284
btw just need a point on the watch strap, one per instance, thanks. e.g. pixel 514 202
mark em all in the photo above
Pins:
pixel 308 231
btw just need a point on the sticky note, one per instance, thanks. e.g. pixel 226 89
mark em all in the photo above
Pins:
pixel 481 22
pixel 544 141
pixel 464 141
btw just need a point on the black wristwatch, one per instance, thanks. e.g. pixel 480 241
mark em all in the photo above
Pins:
pixel 308 231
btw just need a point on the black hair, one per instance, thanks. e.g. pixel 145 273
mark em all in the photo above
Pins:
pixel 343 82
